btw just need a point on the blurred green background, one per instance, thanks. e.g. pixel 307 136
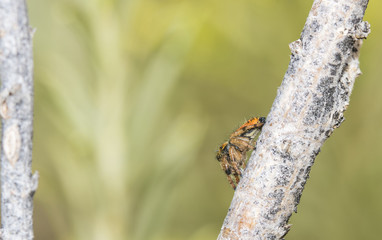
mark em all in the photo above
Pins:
pixel 133 97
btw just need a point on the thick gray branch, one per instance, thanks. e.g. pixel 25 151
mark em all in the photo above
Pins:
pixel 16 108
pixel 309 105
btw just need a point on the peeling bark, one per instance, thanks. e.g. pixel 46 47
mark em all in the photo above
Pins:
pixel 16 109
pixel 309 105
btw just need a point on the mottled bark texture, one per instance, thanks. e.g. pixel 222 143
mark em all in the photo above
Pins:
pixel 309 105
pixel 16 109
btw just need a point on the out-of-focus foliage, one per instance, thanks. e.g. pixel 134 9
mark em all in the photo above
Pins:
pixel 133 98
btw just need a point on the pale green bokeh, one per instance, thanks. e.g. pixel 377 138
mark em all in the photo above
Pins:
pixel 134 97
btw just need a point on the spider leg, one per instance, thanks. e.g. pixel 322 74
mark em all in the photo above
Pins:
pixel 244 165
pixel 236 159
pixel 237 178
pixel 240 143
pixel 229 177
pixel 225 163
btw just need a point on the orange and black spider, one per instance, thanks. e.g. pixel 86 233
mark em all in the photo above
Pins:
pixel 233 153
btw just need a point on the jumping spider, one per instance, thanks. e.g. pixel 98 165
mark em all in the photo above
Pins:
pixel 233 153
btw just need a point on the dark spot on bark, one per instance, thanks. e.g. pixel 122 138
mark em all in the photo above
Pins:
pixel 346 45
pixel 285 170
pixel 337 57
pixel 301 171
pixel 336 64
pixel 355 20
pixel 286 174
pixel 31 193
pixel 274 211
pixel 277 195
pixel 315 26
pixel 306 41
pixel 329 95
pixel 344 68
pixel 284 155
pixel 316 152
pixel 297 195
pixel 334 68
pixel 323 104
pixel 314 155
pixel 338 122
pixel 297 198
pixel 270 236
pixel 325 83
pixel 307 171
pixel 328 133
pixel 336 115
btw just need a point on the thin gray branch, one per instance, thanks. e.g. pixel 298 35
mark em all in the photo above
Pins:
pixel 16 108
pixel 309 105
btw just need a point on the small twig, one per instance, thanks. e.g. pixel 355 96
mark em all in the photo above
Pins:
pixel 16 108
pixel 310 104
